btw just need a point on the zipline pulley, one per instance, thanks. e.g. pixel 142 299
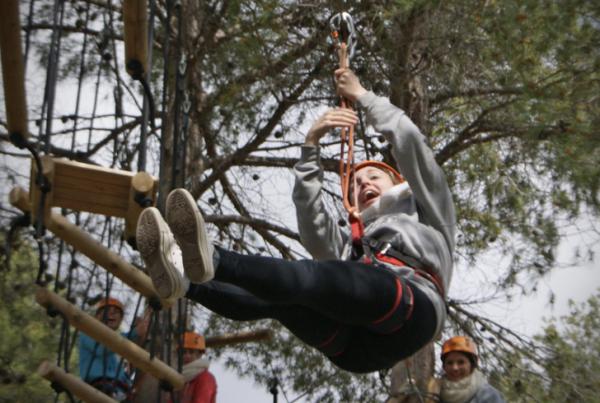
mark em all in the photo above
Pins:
pixel 342 31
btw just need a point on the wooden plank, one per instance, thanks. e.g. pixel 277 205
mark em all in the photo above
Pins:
pixel 102 199
pixel 114 341
pixel 13 72
pixel 73 384
pixel 91 184
pixel 135 28
pixel 79 170
pixel 85 187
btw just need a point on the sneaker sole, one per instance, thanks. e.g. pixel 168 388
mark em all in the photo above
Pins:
pixel 153 245
pixel 189 230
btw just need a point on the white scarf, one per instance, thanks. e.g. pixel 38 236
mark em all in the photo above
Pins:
pixel 462 391
pixel 387 202
pixel 192 369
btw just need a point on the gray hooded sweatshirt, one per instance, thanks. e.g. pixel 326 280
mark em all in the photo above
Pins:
pixel 416 218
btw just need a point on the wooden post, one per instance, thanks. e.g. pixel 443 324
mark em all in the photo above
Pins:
pixel 97 330
pixel 135 21
pixel 73 384
pixel 143 186
pixel 234 338
pixel 86 244
pixel 13 72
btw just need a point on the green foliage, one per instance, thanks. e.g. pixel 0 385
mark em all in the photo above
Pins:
pixel 569 367
pixel 27 335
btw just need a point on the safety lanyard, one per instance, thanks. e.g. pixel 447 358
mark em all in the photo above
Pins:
pixel 343 33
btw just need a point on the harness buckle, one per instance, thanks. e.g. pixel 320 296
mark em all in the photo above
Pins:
pixel 385 247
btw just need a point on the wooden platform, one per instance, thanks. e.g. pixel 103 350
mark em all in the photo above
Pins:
pixel 94 189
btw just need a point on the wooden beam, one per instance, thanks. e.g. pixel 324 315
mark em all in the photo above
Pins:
pixel 114 341
pixel 235 338
pixel 13 72
pixel 135 25
pixel 86 244
pixel 73 384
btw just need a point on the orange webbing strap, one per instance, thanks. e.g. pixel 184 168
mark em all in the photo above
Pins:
pixel 347 165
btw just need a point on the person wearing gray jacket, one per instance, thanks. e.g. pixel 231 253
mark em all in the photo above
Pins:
pixel 364 306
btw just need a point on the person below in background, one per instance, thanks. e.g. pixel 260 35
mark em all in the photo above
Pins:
pixel 365 303
pixel 200 384
pixel 462 381
pixel 102 368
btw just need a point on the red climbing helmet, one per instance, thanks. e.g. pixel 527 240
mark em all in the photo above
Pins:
pixel 380 165
pixel 193 341
pixel 109 302
pixel 462 344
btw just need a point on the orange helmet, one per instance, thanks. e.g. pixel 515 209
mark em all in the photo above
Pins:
pixel 193 341
pixel 109 302
pixel 461 344
pixel 380 165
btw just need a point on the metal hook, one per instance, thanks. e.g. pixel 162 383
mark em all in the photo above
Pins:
pixel 342 29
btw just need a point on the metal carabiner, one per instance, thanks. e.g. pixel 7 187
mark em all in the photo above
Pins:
pixel 342 30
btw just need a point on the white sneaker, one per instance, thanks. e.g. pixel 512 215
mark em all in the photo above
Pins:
pixel 189 229
pixel 161 254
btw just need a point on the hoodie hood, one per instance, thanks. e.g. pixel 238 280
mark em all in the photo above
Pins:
pixel 388 203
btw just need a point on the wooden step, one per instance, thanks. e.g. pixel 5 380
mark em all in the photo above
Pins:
pixel 135 30
pixel 113 340
pixel 13 72
pixel 93 189
pixel 73 384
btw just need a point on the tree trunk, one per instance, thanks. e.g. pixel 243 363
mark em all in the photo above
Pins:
pixel 411 377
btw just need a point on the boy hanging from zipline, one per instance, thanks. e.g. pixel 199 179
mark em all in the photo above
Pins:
pixel 365 303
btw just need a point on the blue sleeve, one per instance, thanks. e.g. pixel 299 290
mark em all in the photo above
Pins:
pixel 86 355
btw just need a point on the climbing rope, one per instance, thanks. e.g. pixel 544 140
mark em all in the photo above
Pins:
pixel 344 36
pixel 342 31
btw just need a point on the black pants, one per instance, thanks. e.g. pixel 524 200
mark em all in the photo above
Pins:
pixel 359 315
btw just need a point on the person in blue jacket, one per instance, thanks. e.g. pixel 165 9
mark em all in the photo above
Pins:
pixel 101 367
